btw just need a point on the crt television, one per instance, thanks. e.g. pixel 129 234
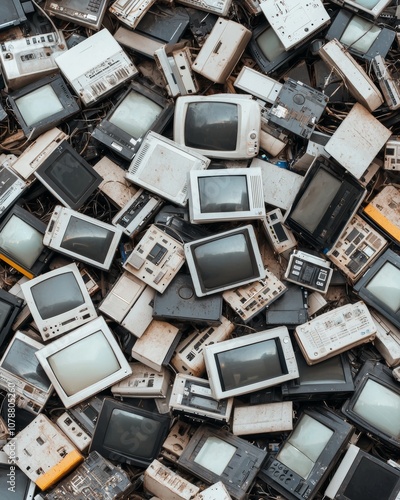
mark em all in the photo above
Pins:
pixel 219 126
pixel 379 286
pixel 223 261
pixel 371 7
pixel 84 362
pixel 42 105
pixel 21 242
pixel 375 405
pixel 128 434
pixel 139 110
pixel 226 194
pixel 58 301
pixel 250 363
pixel 14 483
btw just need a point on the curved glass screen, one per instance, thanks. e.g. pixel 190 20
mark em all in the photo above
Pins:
pixel 223 193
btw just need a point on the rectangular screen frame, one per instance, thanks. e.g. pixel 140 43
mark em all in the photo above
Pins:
pixel 20 15
pixel 16 304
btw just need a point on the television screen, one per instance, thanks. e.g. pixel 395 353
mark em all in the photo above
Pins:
pixel 360 34
pixel 215 454
pixel 223 193
pixel 5 309
pixel 269 44
pixel 329 371
pixel 21 487
pixel 38 105
pixel 11 13
pixel 385 286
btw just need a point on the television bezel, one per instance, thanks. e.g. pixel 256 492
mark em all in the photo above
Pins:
pixel 254 187
pixel 257 263
pixel 41 173
pixel 70 338
pixel 355 6
pixel 30 485
pixel 120 141
pixel 382 375
pixel 286 356
pixel 67 321
pixel 46 253
pixel 58 224
pixel 360 288
pixel 380 46
pixel 105 414
pixel 19 11
pixel 67 100
pixel 16 304
pixel 249 124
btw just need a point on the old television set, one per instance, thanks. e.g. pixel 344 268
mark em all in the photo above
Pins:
pixel 21 242
pixel 217 455
pixel 10 306
pixel 14 483
pixel 42 105
pixel 379 286
pixel 82 237
pixel 224 260
pixel 226 194
pixel 139 110
pixel 362 476
pixel 371 7
pixel 360 36
pixel 326 201
pixel 84 362
pixel 250 363
pixel 68 176
pixel 129 434
pixel 375 405
pixel 307 456
pixel 219 126
pixel 58 301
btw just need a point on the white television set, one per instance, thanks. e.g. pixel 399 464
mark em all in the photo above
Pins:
pixel 58 301
pixel 250 363
pixel 84 362
pixel 219 126
pixel 226 194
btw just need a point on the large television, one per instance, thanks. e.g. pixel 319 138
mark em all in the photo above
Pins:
pixel 42 105
pixel 224 126
pixel 139 110
pixel 58 301
pixel 21 242
pixel 250 363
pixel 326 201
pixel 224 260
pixel 379 286
pixel 129 434
pixel 226 194
pixel 84 362
pixel 360 36
pixel 307 456
pixel 375 405
pixel 14 483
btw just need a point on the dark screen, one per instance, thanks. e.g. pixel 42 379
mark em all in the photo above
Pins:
pixel 370 481
pixel 223 193
pixel 249 364
pixel 8 12
pixel 87 239
pixel 4 313
pixel 212 125
pixel 20 487
pixel 224 261
pixel 57 295
pixel 329 371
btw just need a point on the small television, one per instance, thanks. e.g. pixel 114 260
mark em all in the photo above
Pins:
pixel 361 37
pixel 84 362
pixel 21 242
pixel 375 405
pixel 14 483
pixel 11 14
pixel 10 307
pixel 139 110
pixel 379 286
pixel 223 126
pixel 82 237
pixel 224 260
pixel 215 455
pixel 58 301
pixel 250 363
pixel 226 194
pixel 371 7
pixel 128 434
pixel 42 105
pixel 326 201
pixel 362 476
pixel 68 176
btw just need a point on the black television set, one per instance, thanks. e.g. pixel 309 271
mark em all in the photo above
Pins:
pixel 42 105
pixel 14 483
pixel 138 110
pixel 128 434
pixel 375 405
pixel 10 306
pixel 21 242
pixel 327 199
pixel 11 14
pixel 379 286
pixel 360 36
pixel 68 176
